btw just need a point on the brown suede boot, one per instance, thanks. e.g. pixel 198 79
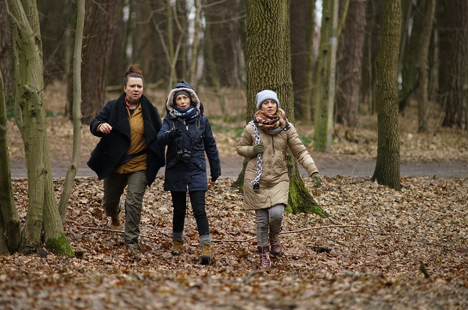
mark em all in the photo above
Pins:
pixel 115 222
pixel 264 252
pixel 206 254
pixel 276 248
pixel 177 245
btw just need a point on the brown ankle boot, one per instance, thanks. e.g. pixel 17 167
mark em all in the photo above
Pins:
pixel 177 245
pixel 206 254
pixel 115 222
pixel 264 252
pixel 276 248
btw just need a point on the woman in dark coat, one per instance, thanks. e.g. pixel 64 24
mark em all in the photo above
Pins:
pixel 128 154
pixel 188 136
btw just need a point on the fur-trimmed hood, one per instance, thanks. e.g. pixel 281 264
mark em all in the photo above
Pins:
pixel 195 101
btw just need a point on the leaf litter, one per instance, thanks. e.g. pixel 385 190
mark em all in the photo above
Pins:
pixel 377 249
pixel 368 253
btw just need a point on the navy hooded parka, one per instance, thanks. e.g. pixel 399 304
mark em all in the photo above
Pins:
pixel 197 138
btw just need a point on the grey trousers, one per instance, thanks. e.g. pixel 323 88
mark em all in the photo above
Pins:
pixel 114 186
pixel 268 218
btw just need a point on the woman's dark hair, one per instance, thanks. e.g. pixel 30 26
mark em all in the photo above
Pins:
pixel 135 72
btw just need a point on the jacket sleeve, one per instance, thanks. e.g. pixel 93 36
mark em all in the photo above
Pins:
pixel 300 151
pixel 102 117
pixel 246 142
pixel 163 134
pixel 211 150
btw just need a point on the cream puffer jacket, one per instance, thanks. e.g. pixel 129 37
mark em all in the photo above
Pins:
pixel 274 181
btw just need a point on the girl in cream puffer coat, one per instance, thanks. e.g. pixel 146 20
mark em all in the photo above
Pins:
pixel 266 183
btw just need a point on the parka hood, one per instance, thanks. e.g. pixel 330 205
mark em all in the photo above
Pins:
pixel 186 87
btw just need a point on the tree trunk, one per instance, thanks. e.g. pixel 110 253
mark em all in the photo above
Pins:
pixel 192 69
pixel 454 61
pixel 349 70
pixel 269 67
pixel 73 168
pixel 326 76
pixel 310 65
pixel 118 57
pixel 9 220
pixel 299 23
pixel 55 17
pixel 422 64
pixel 373 15
pixel 43 215
pixel 99 30
pixel 387 168
pixel 222 21
pixel 5 51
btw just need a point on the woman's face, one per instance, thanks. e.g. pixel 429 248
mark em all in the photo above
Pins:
pixel 269 106
pixel 134 89
pixel 182 101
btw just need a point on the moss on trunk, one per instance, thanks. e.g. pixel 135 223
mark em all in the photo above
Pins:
pixel 60 246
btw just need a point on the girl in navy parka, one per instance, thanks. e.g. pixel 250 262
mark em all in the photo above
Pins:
pixel 188 136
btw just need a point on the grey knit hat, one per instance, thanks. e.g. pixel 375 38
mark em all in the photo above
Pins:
pixel 264 95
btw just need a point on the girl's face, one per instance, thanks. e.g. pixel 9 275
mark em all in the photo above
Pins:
pixel 134 89
pixel 182 101
pixel 269 106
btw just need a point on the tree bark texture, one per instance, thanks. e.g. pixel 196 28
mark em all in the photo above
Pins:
pixel 349 69
pixel 387 169
pixel 409 50
pixel 9 220
pixel 371 47
pixel 222 21
pixel 423 67
pixel 326 67
pixel 99 30
pixel 307 102
pixel 5 52
pixel 299 24
pixel 118 58
pixel 55 17
pixel 454 62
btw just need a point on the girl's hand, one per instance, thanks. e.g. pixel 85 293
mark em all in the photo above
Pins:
pixel 316 179
pixel 258 148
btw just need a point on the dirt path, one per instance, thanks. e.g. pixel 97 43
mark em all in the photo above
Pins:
pixel 328 166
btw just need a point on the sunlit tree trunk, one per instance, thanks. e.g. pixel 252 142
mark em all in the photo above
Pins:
pixel 387 168
pixel 9 220
pixel 43 215
pixel 268 62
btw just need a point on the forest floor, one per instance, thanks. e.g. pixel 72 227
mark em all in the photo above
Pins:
pixel 377 249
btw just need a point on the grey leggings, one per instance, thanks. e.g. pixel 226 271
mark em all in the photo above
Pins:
pixel 268 218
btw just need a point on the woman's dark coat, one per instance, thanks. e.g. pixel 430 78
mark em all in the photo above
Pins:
pixel 197 138
pixel 112 147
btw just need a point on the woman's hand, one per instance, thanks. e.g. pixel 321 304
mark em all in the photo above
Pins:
pixel 105 128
